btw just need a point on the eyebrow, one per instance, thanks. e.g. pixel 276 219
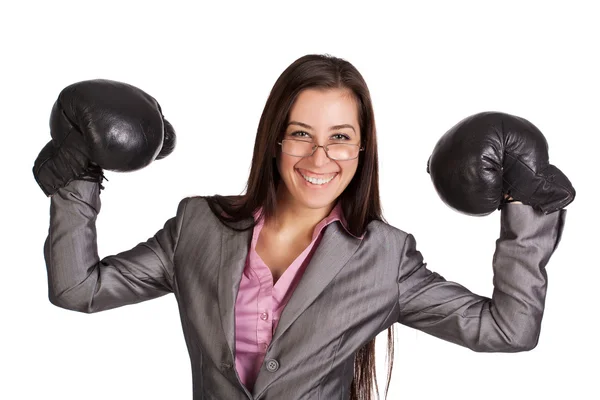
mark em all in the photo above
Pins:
pixel 333 128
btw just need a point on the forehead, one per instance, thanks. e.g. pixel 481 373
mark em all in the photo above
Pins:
pixel 325 107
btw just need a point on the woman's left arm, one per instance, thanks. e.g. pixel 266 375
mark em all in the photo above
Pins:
pixel 508 322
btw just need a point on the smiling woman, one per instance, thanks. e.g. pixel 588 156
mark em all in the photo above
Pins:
pixel 282 290
pixel 315 162
pixel 314 181
pixel 323 100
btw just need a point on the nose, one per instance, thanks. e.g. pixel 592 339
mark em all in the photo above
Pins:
pixel 319 157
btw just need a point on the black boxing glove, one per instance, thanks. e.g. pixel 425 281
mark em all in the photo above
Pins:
pixel 490 154
pixel 101 124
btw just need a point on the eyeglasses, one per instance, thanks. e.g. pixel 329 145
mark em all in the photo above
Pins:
pixel 305 148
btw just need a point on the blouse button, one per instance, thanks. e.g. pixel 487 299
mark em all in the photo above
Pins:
pixel 264 316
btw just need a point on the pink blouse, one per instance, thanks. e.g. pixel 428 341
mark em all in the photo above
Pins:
pixel 259 303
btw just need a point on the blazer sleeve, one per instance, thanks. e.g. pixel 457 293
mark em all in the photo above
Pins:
pixel 508 322
pixel 78 280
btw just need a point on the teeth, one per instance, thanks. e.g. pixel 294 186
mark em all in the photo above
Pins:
pixel 317 181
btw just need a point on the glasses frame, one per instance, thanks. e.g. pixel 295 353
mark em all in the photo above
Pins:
pixel 325 148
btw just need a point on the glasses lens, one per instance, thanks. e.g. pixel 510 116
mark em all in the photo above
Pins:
pixel 297 148
pixel 343 151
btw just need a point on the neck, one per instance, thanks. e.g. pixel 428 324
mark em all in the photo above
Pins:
pixel 292 217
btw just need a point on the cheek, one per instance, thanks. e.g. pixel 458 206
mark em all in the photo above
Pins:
pixel 350 171
pixel 285 164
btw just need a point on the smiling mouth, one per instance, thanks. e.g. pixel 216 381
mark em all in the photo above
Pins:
pixel 318 181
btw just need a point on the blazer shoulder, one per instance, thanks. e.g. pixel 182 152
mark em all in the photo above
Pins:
pixel 194 206
pixel 196 209
pixel 195 201
pixel 382 231
pixel 198 201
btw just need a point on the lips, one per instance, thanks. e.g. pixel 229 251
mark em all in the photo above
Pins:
pixel 311 174
pixel 317 180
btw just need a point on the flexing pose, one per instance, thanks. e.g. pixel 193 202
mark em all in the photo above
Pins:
pixel 282 290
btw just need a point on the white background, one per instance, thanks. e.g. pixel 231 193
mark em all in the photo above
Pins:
pixel 428 65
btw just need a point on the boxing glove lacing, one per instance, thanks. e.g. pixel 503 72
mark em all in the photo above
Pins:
pixel 94 173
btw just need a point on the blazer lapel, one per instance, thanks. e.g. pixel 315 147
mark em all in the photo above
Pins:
pixel 334 251
pixel 234 250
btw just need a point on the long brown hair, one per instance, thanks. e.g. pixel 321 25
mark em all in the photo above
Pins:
pixel 360 200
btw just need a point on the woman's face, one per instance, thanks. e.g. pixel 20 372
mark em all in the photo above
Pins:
pixel 323 116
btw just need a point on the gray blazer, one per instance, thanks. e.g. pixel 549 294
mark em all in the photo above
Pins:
pixel 352 290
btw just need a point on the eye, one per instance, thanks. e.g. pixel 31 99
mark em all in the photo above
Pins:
pixel 300 134
pixel 340 136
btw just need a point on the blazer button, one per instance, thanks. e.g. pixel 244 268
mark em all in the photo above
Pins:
pixel 226 366
pixel 272 365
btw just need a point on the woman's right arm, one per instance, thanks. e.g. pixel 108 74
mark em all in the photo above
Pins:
pixel 78 280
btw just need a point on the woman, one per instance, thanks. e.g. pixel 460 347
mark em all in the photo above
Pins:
pixel 283 290
pixel 324 101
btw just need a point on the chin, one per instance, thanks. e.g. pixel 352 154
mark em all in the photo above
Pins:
pixel 315 200
pixel 316 204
